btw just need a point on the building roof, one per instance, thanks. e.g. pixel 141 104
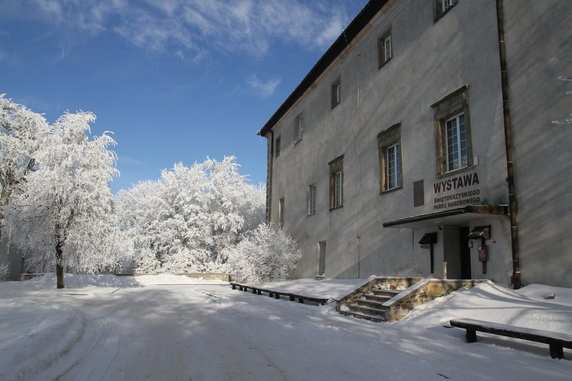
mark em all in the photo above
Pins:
pixel 347 36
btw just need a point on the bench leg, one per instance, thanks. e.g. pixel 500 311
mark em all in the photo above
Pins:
pixel 471 335
pixel 556 351
pixel 233 286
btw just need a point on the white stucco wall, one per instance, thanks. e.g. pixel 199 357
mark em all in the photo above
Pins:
pixel 430 60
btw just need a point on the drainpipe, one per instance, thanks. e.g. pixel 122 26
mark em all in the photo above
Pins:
pixel 512 201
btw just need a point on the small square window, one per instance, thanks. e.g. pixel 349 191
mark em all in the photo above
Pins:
pixel 336 93
pixel 384 47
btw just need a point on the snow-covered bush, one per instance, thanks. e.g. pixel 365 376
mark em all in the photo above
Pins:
pixel 185 221
pixel 265 253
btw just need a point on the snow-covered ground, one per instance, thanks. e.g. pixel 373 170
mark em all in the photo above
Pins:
pixel 173 328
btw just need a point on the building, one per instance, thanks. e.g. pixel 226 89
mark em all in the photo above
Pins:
pixel 422 144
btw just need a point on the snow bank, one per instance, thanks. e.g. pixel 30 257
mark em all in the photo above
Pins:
pixel 498 304
pixel 327 288
pixel 84 280
pixel 171 279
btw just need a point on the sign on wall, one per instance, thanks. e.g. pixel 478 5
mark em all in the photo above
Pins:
pixel 457 191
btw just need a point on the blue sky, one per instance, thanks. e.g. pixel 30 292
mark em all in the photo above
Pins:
pixel 175 80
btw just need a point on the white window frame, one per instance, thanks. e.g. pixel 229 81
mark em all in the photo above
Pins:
pixel 393 166
pixel 443 6
pixel 446 4
pixel 456 154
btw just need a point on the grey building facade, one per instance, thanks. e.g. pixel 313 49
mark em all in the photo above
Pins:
pixel 422 144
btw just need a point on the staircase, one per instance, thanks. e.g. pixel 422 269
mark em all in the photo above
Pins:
pixel 391 298
pixel 369 305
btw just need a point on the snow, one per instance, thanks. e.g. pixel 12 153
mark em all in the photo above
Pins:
pixel 160 328
pixel 333 289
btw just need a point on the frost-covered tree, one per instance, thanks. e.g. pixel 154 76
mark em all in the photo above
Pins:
pixel 185 221
pixel 63 216
pixel 265 253
pixel 20 129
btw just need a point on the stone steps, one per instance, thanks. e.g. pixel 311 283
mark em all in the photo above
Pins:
pixel 369 305
pixel 375 318
pixel 389 293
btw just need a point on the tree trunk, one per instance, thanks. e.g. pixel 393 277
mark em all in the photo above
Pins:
pixel 59 266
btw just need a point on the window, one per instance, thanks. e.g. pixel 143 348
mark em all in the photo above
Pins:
pixel 281 212
pixel 336 183
pixel 441 7
pixel 384 48
pixel 299 128
pixel 456 138
pixel 277 147
pixel 453 143
pixel 389 144
pixel 311 200
pixel 321 265
pixel 336 93
pixel 393 166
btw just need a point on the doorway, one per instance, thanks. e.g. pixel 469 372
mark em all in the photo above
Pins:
pixel 465 252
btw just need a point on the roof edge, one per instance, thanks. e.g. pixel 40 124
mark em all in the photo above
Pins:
pixel 347 36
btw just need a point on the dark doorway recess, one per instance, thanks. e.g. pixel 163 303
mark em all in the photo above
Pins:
pixel 465 253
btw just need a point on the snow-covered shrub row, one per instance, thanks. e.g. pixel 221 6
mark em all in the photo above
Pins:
pixel 192 219
pixel 265 253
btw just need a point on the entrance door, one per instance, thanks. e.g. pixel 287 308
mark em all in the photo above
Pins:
pixel 465 253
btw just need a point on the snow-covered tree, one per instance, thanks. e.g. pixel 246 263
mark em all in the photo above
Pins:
pixel 265 253
pixel 185 221
pixel 63 216
pixel 20 129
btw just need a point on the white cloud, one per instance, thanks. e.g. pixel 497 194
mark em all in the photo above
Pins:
pixel 196 26
pixel 263 88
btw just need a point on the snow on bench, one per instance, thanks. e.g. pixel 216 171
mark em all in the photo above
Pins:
pixel 278 294
pixel 556 341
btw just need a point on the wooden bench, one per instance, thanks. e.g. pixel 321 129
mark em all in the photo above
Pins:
pixel 278 294
pixel 556 341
